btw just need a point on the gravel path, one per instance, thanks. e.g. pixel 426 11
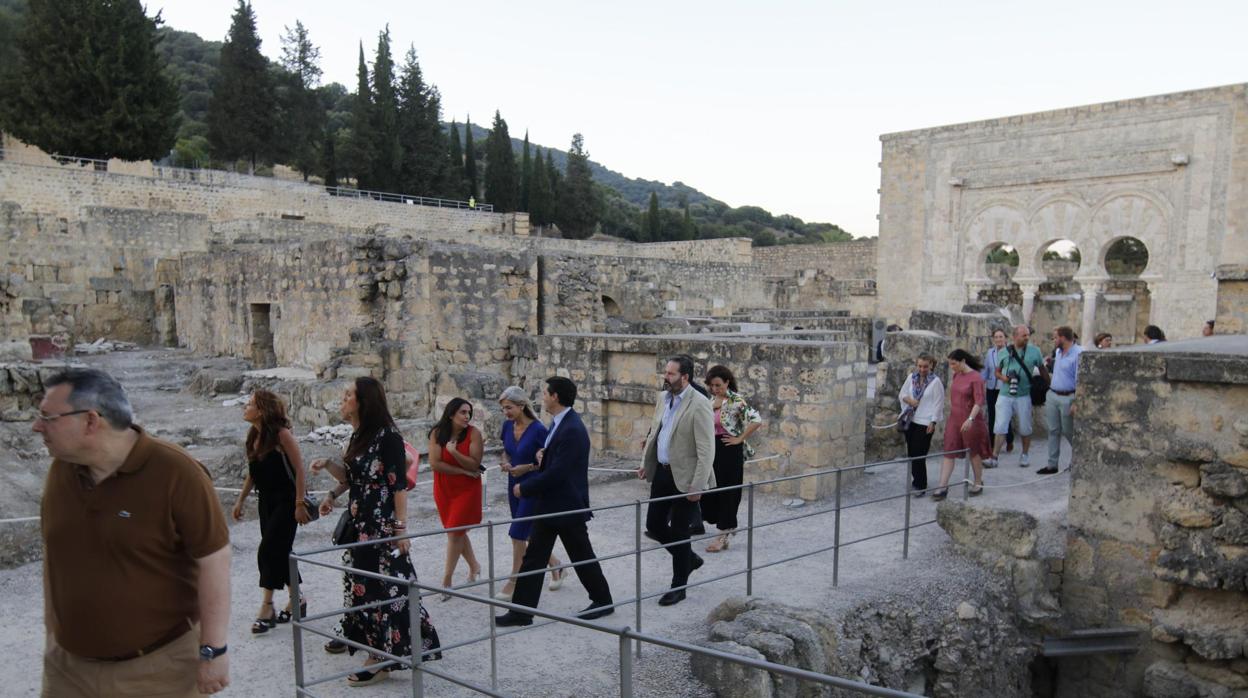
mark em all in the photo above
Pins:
pixel 558 660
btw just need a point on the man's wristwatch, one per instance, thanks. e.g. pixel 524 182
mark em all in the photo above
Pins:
pixel 209 653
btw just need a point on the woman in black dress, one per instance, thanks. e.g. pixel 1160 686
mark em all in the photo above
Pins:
pixel 373 467
pixel 275 469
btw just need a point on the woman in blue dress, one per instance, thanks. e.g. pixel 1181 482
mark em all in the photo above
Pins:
pixel 523 435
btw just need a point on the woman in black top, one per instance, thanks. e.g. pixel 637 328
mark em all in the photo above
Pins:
pixel 275 469
pixel 373 467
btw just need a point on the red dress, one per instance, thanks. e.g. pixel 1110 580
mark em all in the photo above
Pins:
pixel 458 496
pixel 965 391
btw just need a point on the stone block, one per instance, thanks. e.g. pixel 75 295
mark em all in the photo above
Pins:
pixel 1190 508
pixel 729 679
pixel 997 531
pixel 1223 480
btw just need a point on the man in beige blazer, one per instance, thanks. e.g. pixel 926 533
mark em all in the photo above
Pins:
pixel 678 460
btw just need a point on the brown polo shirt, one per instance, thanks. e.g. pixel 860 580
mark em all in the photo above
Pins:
pixel 120 555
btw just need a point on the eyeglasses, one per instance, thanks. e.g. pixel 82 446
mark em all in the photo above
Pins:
pixel 46 418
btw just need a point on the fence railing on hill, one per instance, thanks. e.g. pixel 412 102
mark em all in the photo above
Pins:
pixel 193 174
pixel 416 590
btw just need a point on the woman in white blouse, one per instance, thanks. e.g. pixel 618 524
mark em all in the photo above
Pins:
pixel 922 399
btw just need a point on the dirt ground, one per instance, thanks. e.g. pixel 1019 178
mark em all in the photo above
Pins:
pixel 552 660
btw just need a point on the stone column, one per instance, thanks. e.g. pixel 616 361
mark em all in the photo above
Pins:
pixel 1091 294
pixel 1029 288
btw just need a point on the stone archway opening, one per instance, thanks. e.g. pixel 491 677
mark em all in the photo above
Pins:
pixel 1059 260
pixel 1059 301
pixel 610 307
pixel 1125 308
pixel 1126 258
pixel 999 263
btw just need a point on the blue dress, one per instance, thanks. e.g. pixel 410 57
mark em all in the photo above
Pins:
pixel 521 453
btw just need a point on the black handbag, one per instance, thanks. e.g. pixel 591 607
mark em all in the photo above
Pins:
pixel 342 529
pixel 309 504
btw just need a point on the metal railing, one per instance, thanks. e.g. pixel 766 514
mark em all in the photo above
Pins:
pixel 192 174
pixel 417 590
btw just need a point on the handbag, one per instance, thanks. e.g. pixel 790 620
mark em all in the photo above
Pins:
pixel 907 415
pixel 342 528
pixel 1039 386
pixel 309 504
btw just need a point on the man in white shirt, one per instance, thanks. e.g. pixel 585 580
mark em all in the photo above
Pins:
pixel 678 460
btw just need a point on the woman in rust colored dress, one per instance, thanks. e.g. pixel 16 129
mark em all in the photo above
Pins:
pixel 455 450
pixel 966 427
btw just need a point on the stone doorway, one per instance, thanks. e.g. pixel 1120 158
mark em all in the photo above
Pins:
pixel 262 354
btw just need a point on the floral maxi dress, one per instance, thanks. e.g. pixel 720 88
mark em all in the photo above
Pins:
pixel 374 477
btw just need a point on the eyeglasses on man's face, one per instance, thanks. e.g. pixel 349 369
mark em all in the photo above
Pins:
pixel 48 418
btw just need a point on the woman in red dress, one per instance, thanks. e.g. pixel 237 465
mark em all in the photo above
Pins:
pixel 966 428
pixel 455 450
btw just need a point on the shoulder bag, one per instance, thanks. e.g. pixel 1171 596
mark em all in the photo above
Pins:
pixel 309 503
pixel 1039 386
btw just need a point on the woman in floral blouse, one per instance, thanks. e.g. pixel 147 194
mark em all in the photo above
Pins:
pixel 735 420
pixel 373 469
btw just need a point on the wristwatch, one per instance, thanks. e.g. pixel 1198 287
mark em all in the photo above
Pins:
pixel 209 653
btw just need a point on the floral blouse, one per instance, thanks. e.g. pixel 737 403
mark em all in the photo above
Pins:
pixel 735 415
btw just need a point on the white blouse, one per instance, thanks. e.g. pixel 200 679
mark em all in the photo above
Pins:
pixel 931 407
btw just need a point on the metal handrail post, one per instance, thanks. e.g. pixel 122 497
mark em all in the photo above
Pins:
pixel 905 535
pixel 966 476
pixel 836 539
pixel 296 627
pixel 749 542
pixel 485 492
pixel 489 537
pixel 418 641
pixel 637 558
pixel 626 665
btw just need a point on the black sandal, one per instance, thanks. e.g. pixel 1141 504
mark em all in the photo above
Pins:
pixel 364 677
pixel 939 495
pixel 286 616
pixel 263 625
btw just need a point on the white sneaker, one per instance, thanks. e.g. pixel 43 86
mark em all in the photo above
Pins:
pixel 1024 461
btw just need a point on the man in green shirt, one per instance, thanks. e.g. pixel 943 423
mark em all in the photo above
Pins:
pixel 1015 367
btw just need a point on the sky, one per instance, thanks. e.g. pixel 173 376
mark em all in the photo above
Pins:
pixel 774 103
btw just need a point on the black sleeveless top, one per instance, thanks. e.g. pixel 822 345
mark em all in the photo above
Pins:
pixel 270 476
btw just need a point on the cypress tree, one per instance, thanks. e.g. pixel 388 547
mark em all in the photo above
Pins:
pixel 240 115
pixel 653 228
pixel 455 177
pixel 579 202
pixel 357 158
pixel 689 231
pixel 470 161
pixel 502 188
pixel 387 155
pixel 552 176
pixel 526 176
pixel 425 159
pixel 88 81
pixel 329 161
pixel 304 120
pixel 539 194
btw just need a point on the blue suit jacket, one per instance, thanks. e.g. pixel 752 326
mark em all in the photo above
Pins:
pixel 562 484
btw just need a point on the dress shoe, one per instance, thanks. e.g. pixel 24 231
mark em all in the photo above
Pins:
pixel 672 598
pixel 595 612
pixel 510 619
pixel 696 562
pixel 1049 470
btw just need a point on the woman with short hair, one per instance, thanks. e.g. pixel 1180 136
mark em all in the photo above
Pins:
pixel 922 399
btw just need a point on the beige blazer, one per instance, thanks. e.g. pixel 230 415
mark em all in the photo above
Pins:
pixel 692 448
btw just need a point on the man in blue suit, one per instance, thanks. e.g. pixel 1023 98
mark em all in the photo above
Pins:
pixel 561 484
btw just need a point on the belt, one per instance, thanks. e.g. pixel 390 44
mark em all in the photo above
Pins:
pixel 169 637
pixel 1063 393
pixel 665 465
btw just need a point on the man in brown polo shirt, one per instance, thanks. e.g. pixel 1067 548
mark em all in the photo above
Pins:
pixel 136 553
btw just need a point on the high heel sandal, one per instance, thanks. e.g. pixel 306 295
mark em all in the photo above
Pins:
pixel 940 494
pixel 556 579
pixel 285 616
pixel 263 625
pixel 720 543
pixel 364 677
pixel 977 489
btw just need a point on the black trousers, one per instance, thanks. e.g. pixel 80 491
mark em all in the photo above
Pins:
pixel 669 521
pixel 277 537
pixel 575 536
pixel 990 396
pixel 720 508
pixel 918 443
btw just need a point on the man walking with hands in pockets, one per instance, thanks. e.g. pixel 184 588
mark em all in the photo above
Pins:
pixel 678 459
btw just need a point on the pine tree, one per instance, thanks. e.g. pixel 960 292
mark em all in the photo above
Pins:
pixel 502 186
pixel 240 115
pixel 304 120
pixel 357 156
pixel 89 82
pixel 387 155
pixel 455 176
pixel 539 193
pixel 653 228
pixel 425 159
pixel 579 202
pixel 470 161
pixel 526 176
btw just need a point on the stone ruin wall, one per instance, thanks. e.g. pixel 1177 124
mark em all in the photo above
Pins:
pixel 1170 170
pixel 1158 519
pixel 810 391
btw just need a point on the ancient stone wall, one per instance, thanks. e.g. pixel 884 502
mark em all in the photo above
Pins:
pixel 1158 518
pixel 1164 170
pixel 811 394
pixel 855 259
